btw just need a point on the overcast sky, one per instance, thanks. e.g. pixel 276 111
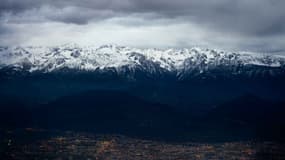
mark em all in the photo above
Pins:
pixel 247 25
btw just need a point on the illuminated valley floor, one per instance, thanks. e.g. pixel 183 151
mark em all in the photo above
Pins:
pixel 34 144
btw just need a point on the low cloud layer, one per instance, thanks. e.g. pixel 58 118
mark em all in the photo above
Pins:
pixel 256 25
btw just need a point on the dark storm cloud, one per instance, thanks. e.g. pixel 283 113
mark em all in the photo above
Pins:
pixel 242 19
pixel 256 17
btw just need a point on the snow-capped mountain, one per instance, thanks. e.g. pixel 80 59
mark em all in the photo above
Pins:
pixel 202 78
pixel 90 58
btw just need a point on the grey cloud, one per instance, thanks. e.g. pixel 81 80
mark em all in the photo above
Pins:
pixel 256 17
pixel 253 24
pixel 4 30
pixel 75 15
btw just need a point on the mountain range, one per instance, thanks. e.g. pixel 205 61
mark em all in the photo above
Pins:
pixel 179 62
pixel 143 91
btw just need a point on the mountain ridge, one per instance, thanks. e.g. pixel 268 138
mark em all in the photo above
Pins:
pixel 91 58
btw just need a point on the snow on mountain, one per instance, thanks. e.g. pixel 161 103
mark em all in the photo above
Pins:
pixel 89 58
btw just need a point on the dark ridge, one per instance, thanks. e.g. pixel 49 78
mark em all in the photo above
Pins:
pixel 262 117
pixel 117 112
pixel 111 111
pixel 14 112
